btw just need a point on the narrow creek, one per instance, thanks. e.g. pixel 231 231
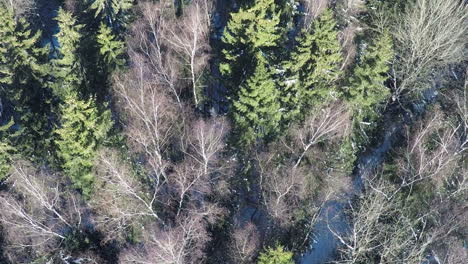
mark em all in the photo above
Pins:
pixel 323 244
pixel 333 214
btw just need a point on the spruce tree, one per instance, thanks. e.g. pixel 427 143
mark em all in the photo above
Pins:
pixel 110 48
pixel 276 256
pixel 257 111
pixel 83 128
pixel 251 30
pixel 67 66
pixel 6 149
pixel 22 74
pixel 367 88
pixel 114 13
pixel 367 92
pixel 314 67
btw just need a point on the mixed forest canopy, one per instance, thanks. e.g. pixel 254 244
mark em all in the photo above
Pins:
pixel 233 131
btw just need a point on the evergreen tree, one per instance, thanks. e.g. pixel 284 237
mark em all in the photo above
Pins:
pixel 367 88
pixel 83 129
pixel 67 66
pixel 110 49
pixel 257 110
pixel 276 256
pixel 115 13
pixel 366 92
pixel 314 67
pixel 251 30
pixel 6 150
pixel 22 74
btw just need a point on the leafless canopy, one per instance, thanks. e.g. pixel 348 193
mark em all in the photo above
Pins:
pixel 433 150
pixel 181 243
pixel 245 243
pixel 432 34
pixel 19 7
pixel 37 213
pixel 383 229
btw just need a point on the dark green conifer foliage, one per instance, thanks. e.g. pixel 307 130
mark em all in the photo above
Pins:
pixel 367 88
pixel 314 67
pixel 115 13
pixel 110 48
pixel 67 66
pixel 367 92
pixel 83 129
pixel 276 256
pixel 6 150
pixel 257 110
pixel 83 126
pixel 249 31
pixel 22 74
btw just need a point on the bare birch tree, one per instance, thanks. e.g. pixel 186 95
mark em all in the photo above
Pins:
pixel 202 146
pixel 383 230
pixel 432 151
pixel 151 119
pixel 181 243
pixel 325 124
pixel 313 8
pixel 431 34
pixel 121 200
pixel 37 213
pixel 245 243
pixel 19 7
pixel 148 45
pixel 189 38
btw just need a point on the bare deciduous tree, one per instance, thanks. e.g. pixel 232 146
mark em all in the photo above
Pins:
pixel 383 229
pixel 313 8
pixel 120 200
pixel 151 118
pixel 431 34
pixel 328 123
pixel 283 187
pixel 189 38
pixel 182 243
pixel 20 7
pixel 245 243
pixel 37 213
pixel 432 150
pixel 204 141
pixel 148 46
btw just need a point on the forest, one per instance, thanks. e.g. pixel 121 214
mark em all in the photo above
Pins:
pixel 233 131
